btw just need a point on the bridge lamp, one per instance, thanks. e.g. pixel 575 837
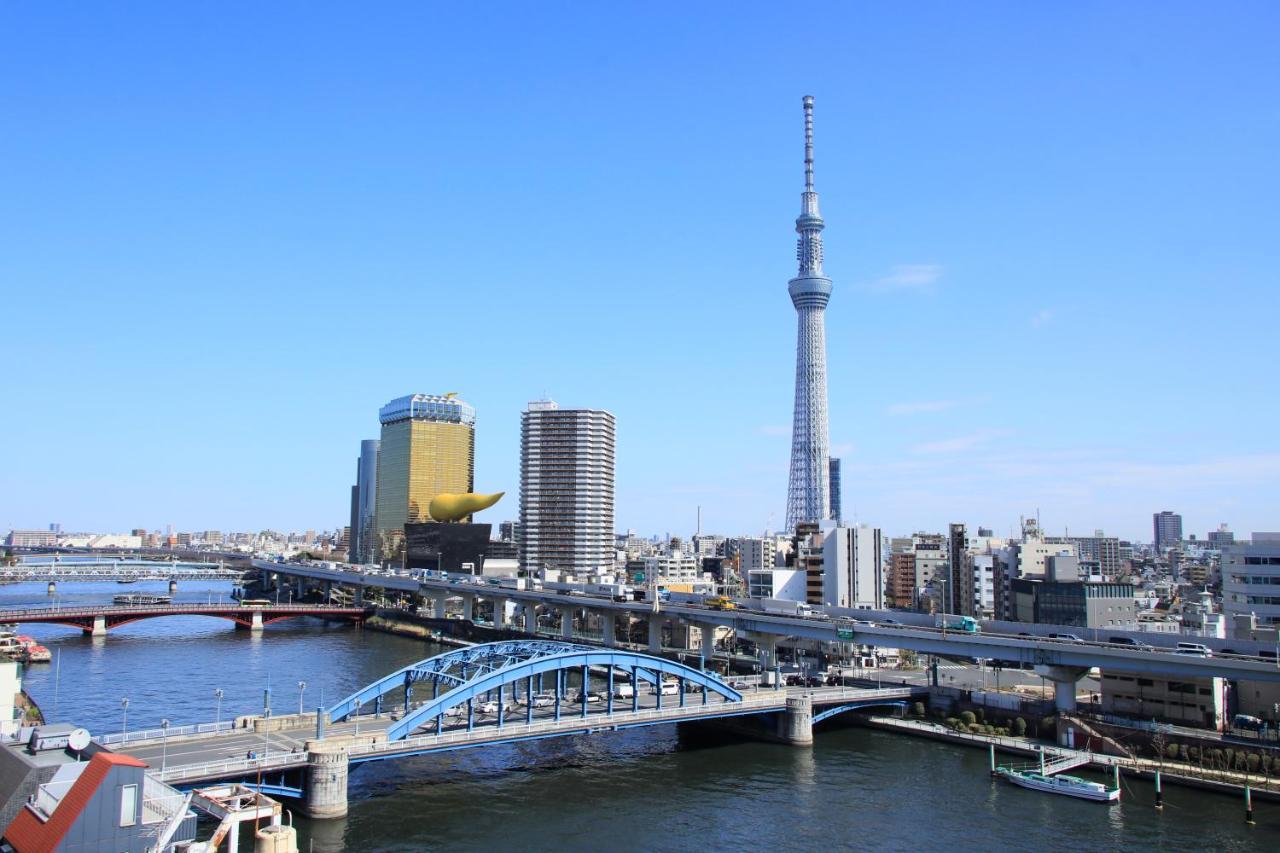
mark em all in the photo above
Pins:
pixel 124 714
pixel 358 704
pixel 302 689
pixel 164 743
pixel 217 717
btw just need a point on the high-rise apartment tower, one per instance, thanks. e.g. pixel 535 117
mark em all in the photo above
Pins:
pixel 1167 530
pixel 566 488
pixel 808 491
pixel 428 447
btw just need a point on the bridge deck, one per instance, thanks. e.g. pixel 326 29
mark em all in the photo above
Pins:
pixel 225 754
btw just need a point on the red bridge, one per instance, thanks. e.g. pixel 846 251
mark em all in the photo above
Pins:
pixel 97 620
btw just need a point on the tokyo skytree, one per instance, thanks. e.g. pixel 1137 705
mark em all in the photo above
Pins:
pixel 808 492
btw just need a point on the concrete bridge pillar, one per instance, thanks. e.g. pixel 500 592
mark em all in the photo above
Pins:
pixel 499 612
pixel 255 623
pixel 99 626
pixel 566 623
pixel 468 608
pixel 795 725
pixel 328 592
pixel 327 767
pixel 708 642
pixel 52 588
pixel 358 600
pixel 173 586
pixel 607 627
pixel 655 634
pixel 437 606
pixel 530 617
pixel 300 592
pixel 1064 680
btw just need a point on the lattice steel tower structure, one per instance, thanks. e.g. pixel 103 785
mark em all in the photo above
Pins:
pixel 808 492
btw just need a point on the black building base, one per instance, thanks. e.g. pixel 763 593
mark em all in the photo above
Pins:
pixel 446 547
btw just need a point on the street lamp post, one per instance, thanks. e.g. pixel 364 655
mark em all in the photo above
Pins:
pixel 164 744
pixel 302 688
pixel 217 716
pixel 358 704
pixel 124 721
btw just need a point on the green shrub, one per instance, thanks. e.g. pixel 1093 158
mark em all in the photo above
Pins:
pixel 1020 727
pixel 1171 751
pixel 1184 753
pixel 917 710
pixel 951 722
pixel 1253 762
pixel 968 717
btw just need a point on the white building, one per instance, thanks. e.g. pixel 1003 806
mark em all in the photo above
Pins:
pixel 853 568
pixel 1251 580
pixel 676 567
pixel 10 688
pixel 785 584
pixel 566 488
pixel 752 552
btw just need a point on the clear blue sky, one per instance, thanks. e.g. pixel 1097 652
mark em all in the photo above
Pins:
pixel 230 232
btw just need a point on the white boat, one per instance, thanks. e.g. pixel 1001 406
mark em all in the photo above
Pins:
pixel 1071 786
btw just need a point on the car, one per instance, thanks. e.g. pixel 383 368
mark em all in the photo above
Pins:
pixel 1194 649
pixel 1070 638
pixel 487 708
pixel 587 698
pixel 1130 642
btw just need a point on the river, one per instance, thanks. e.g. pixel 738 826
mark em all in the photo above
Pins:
pixel 639 790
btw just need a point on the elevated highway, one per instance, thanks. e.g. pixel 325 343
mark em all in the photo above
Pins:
pixel 1062 661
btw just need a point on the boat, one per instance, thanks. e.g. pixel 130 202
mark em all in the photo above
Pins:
pixel 137 598
pixel 1070 786
pixel 37 653
pixel 127 580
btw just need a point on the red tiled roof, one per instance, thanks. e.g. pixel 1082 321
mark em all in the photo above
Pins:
pixel 28 834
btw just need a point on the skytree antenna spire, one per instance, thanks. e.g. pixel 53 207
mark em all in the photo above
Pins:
pixel 808 490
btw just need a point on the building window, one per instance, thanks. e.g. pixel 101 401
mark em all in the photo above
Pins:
pixel 128 805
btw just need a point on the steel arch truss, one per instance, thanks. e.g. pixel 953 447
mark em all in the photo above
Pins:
pixel 471 673
pixel 856 706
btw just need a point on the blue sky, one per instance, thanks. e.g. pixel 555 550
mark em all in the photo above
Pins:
pixel 232 231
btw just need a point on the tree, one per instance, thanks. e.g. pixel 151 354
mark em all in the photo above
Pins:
pixel 1020 727
pixel 968 718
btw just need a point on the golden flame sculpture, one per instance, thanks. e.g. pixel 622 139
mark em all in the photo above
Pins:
pixel 447 507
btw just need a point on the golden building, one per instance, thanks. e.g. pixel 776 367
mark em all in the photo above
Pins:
pixel 428 448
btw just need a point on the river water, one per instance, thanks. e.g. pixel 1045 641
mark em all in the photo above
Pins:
pixel 641 790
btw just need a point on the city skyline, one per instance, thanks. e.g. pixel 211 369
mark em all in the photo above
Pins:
pixel 1010 286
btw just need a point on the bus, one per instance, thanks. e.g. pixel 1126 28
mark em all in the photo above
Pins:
pixel 720 602
pixel 255 602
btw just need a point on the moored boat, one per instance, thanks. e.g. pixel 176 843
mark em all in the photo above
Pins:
pixel 37 653
pixel 1070 786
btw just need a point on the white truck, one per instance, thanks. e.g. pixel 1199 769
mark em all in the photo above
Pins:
pixel 783 607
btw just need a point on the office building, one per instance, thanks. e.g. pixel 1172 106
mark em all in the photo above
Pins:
pixel 853 568
pixel 808 489
pixel 1082 605
pixel 1196 702
pixel 1251 582
pixel 1167 529
pixel 1221 538
pixel 31 539
pixel 364 497
pixel 566 488
pixel 427 448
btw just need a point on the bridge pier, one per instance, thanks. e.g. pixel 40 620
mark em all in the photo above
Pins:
pixel 566 623
pixel 655 634
pixel 53 587
pixel 530 617
pixel 468 608
pixel 708 643
pixel 255 621
pixel 499 611
pixel 437 607
pixel 1064 680
pixel 607 628
pixel 99 627
pixel 795 725
pixel 173 586
pixel 327 768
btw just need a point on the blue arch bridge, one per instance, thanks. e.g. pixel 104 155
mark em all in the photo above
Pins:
pixel 483 695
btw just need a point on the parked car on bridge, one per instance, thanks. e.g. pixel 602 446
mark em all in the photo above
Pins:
pixel 587 698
